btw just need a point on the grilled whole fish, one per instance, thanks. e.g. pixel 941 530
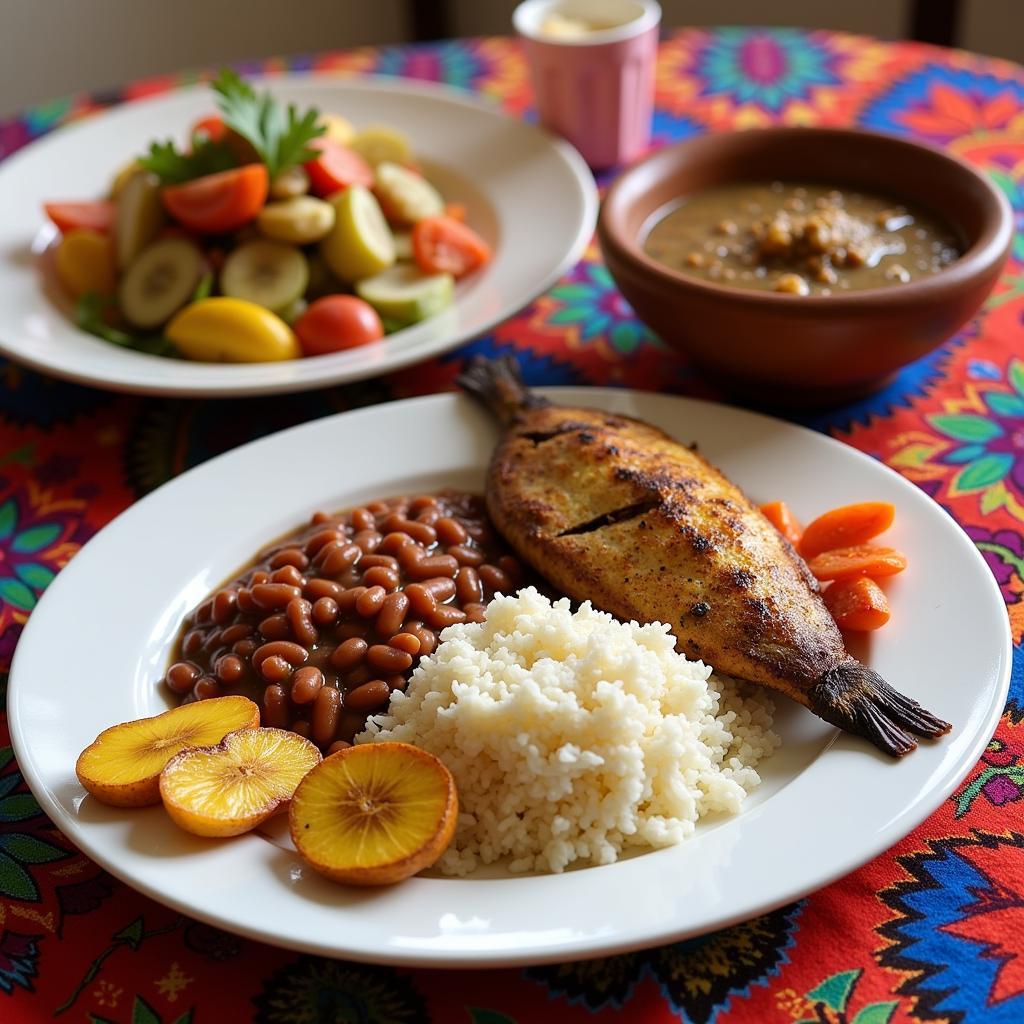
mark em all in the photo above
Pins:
pixel 612 510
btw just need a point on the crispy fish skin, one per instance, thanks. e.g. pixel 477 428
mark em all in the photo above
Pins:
pixel 613 510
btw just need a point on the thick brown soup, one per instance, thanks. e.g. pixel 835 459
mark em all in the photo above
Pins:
pixel 331 619
pixel 799 239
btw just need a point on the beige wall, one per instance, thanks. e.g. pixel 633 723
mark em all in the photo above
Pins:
pixel 885 18
pixel 50 48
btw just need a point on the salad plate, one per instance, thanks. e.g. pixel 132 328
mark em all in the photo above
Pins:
pixel 827 802
pixel 528 194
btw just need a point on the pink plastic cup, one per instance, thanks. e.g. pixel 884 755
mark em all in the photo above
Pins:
pixel 595 89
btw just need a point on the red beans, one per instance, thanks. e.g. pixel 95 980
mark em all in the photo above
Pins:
pixel 333 619
pixel 466 555
pixel 421 601
pixel 467 586
pixel 435 565
pixel 293 654
pixel 325 715
pixel 368 696
pixel 306 684
pixel 275 627
pixel 181 676
pixel 392 613
pixel 289 556
pixel 450 531
pixel 224 606
pixel 275 708
pixel 381 576
pixel 272 596
pixel 442 588
pixel 370 601
pixel 325 611
pixel 446 615
pixel 206 688
pixel 408 642
pixel 388 659
pixel 299 612
pixel 315 589
pixel 288 574
pixel 230 668
pixel 348 654
pixel 494 578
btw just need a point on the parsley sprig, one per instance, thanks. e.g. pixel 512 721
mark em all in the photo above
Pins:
pixel 173 167
pixel 279 135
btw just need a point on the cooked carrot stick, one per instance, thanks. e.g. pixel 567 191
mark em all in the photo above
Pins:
pixel 861 560
pixel 857 603
pixel 779 515
pixel 846 527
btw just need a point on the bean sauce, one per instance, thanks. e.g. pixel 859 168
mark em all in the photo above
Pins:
pixel 331 619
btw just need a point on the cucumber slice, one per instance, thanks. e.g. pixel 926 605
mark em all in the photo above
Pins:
pixel 267 273
pixel 405 196
pixel 404 295
pixel 162 278
pixel 360 243
pixel 139 216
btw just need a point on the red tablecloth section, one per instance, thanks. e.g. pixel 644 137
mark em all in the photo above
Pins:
pixel 933 930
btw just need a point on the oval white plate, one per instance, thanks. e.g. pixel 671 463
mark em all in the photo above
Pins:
pixel 528 193
pixel 828 802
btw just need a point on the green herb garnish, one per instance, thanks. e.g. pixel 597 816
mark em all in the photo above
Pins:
pixel 279 135
pixel 173 167
pixel 90 314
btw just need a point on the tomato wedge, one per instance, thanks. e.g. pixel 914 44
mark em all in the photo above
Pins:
pixel 857 603
pixel 445 245
pixel 779 515
pixel 211 128
pixel 219 202
pixel 96 215
pixel 336 167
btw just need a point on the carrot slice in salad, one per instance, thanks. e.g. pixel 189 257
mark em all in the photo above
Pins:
pixel 857 603
pixel 861 560
pixel 779 515
pixel 846 527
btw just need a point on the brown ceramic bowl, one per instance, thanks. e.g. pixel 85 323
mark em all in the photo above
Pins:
pixel 779 348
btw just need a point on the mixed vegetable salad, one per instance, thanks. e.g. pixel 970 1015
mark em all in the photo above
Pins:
pixel 274 234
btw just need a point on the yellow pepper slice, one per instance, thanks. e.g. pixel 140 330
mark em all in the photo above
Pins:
pixel 84 262
pixel 226 330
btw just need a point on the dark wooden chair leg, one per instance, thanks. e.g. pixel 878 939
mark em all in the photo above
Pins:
pixel 935 21
pixel 429 19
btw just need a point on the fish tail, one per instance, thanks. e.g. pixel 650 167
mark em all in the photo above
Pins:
pixel 857 699
pixel 498 385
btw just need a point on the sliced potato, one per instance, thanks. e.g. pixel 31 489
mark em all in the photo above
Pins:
pixel 405 196
pixel 378 144
pixel 290 183
pixel 338 128
pixel 299 221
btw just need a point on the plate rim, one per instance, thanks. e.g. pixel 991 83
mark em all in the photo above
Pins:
pixel 589 947
pixel 574 163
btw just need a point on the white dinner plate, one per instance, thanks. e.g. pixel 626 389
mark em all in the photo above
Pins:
pixel 529 194
pixel 828 802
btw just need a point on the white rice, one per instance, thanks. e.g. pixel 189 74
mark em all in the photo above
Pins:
pixel 573 737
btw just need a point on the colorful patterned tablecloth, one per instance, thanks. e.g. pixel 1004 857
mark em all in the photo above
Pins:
pixel 933 930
